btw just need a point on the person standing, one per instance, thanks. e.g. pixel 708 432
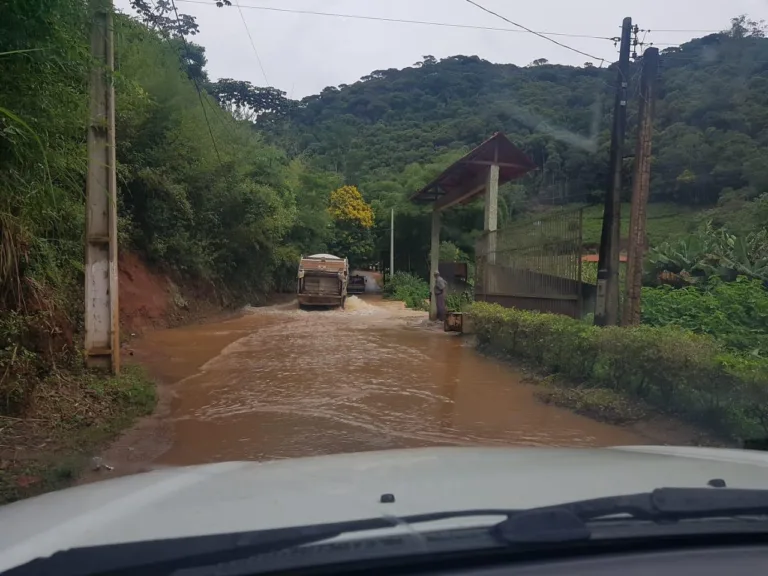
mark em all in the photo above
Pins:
pixel 440 286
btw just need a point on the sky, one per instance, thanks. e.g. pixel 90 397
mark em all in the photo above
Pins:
pixel 303 53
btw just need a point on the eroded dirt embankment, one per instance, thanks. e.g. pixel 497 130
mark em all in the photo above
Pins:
pixel 71 413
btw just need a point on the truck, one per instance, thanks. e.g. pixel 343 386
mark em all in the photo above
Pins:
pixel 322 280
pixel 356 284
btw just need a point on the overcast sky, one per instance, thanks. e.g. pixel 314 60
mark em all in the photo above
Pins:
pixel 301 53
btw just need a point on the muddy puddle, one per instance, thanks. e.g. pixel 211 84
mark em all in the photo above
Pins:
pixel 279 382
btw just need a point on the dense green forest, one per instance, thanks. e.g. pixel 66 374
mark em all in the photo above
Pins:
pixel 227 183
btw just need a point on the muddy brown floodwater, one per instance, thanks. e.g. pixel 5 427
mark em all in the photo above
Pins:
pixel 282 383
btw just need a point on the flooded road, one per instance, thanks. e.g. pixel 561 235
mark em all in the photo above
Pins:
pixel 283 383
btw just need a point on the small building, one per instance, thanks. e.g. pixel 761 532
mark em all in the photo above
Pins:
pixel 479 173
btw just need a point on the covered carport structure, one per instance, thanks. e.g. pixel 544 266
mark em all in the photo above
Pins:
pixel 480 172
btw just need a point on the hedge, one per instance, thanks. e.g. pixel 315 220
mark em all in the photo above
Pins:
pixel 408 288
pixel 677 372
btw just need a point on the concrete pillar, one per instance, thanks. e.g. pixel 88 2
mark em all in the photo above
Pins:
pixel 491 217
pixel 434 262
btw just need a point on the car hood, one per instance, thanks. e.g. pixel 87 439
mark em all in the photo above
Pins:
pixel 238 496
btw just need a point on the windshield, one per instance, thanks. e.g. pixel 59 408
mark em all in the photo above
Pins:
pixel 243 234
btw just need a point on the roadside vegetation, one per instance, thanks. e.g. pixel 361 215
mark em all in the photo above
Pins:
pixel 74 415
pixel 407 288
pixel 674 371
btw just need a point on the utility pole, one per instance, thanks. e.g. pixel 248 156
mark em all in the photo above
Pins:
pixel 607 304
pixel 641 183
pixel 392 245
pixel 102 333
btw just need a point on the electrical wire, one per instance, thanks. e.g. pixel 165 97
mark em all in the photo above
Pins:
pixel 397 20
pixel 217 110
pixel 539 34
pixel 686 31
pixel 197 87
pixel 253 44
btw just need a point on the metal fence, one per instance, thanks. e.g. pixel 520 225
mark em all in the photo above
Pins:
pixel 534 265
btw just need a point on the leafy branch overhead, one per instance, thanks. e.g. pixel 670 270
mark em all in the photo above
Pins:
pixel 248 102
pixel 161 15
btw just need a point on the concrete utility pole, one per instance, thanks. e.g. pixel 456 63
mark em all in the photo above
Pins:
pixel 392 245
pixel 434 262
pixel 491 211
pixel 607 304
pixel 102 333
pixel 641 184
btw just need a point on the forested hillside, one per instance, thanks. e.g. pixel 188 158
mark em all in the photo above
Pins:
pixel 386 131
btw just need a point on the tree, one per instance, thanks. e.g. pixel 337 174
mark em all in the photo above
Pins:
pixel 247 102
pixel 162 16
pixel 347 205
pixel 744 27
pixel 193 59
pixel 426 61
pixel 353 220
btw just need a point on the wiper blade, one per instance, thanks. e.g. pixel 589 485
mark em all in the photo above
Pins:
pixel 159 556
pixel 663 504
pixel 675 504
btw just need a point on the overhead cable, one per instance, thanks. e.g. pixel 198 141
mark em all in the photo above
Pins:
pixel 253 44
pixel 197 87
pixel 539 34
pixel 396 20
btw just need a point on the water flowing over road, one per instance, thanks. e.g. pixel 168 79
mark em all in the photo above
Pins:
pixel 282 383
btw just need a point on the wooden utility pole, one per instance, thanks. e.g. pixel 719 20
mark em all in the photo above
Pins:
pixel 641 184
pixel 607 303
pixel 102 333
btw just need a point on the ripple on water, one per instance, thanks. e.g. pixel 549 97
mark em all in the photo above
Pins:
pixel 304 383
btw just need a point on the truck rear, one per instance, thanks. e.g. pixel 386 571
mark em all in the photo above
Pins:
pixel 322 280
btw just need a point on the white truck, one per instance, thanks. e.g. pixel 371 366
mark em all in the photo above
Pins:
pixel 322 280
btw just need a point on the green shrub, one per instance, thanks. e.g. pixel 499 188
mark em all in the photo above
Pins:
pixel 735 313
pixel 408 288
pixel 457 301
pixel 691 376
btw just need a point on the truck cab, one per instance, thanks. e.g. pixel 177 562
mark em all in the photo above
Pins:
pixel 322 280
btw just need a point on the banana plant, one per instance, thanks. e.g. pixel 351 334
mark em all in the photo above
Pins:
pixel 713 252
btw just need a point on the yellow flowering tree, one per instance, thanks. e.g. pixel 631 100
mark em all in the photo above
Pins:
pixel 347 205
pixel 352 221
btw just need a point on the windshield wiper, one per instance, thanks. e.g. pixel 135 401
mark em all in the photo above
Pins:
pixel 661 505
pixel 160 556
pixel 562 523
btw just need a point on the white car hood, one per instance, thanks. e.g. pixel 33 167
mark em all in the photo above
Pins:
pixel 237 496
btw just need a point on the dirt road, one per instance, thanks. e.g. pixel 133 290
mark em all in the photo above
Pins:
pixel 282 383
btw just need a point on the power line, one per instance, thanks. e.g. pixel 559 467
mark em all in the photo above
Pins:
pixel 539 34
pixel 253 44
pixel 217 110
pixel 686 31
pixel 399 20
pixel 197 87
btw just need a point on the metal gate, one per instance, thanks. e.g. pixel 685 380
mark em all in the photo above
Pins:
pixel 533 265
